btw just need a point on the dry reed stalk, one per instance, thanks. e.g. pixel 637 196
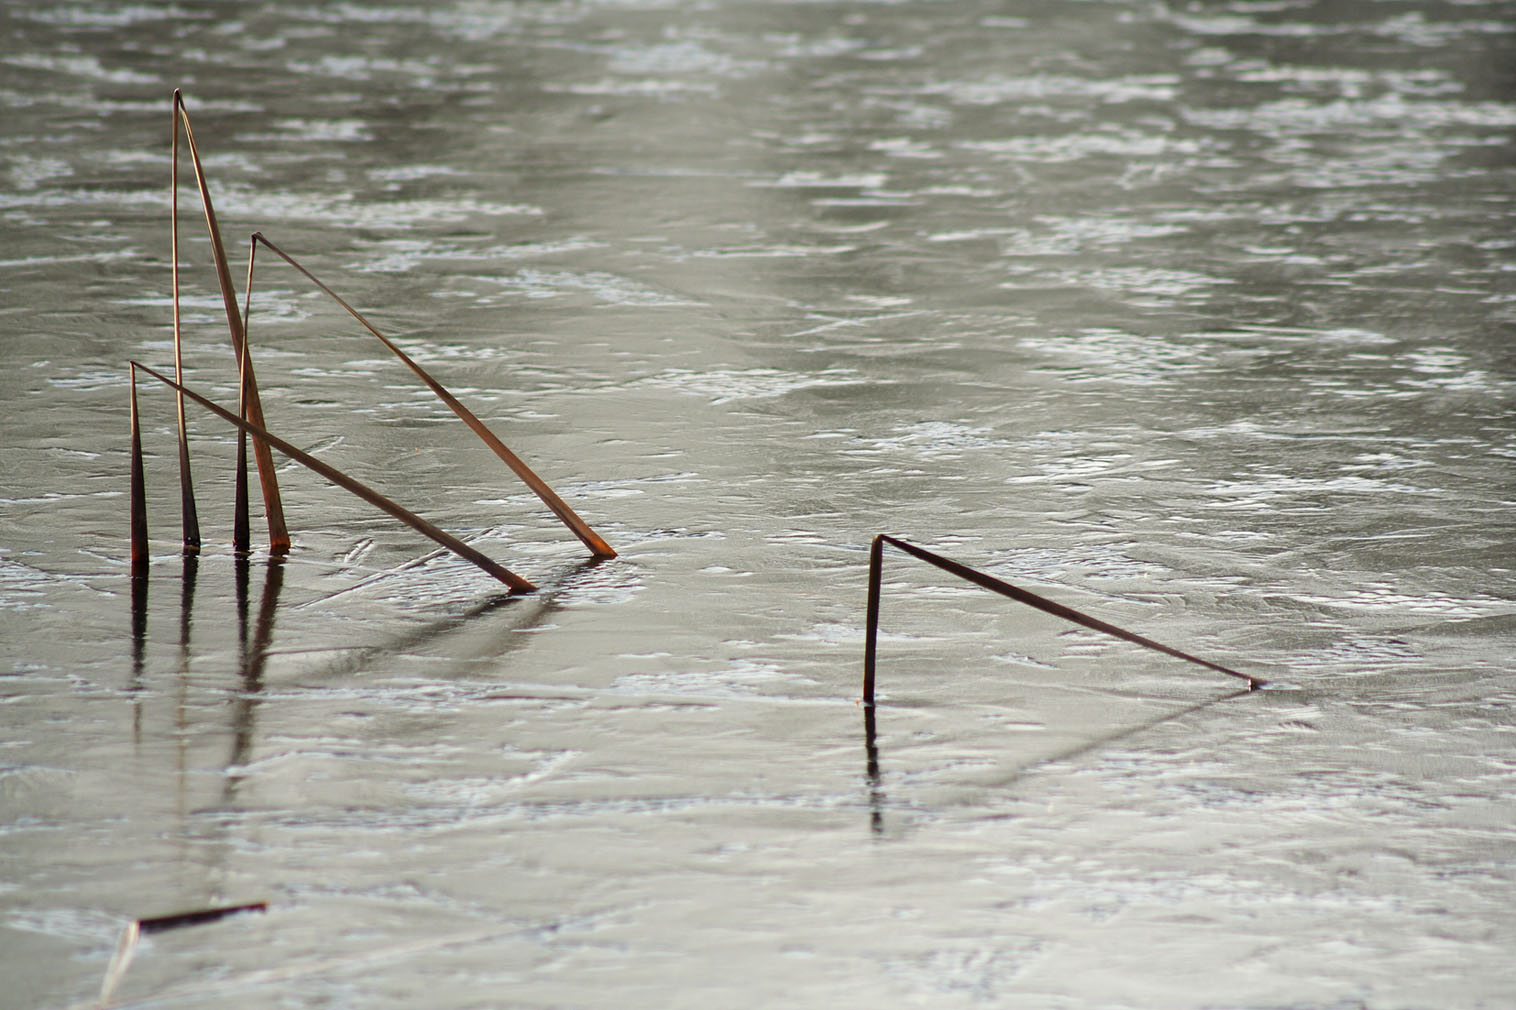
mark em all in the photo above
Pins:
pixel 559 507
pixel 978 578
pixel 279 540
pixel 189 516
pixel 241 527
pixel 138 488
pixel 515 582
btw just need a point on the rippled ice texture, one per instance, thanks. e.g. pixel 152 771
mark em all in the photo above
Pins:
pixel 1198 316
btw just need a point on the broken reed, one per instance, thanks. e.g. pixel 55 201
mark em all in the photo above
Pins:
pixel 250 422
pixel 994 585
pixel 126 946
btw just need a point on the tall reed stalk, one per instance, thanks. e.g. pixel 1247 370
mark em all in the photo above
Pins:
pixel 279 540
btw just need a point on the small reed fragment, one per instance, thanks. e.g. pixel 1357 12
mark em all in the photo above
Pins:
pixel 126 947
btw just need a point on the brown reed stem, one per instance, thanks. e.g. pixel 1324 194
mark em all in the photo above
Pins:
pixel 331 473
pixel 559 507
pixel 189 516
pixel 978 578
pixel 279 540
pixel 140 553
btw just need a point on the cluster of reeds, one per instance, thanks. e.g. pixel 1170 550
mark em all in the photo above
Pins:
pixel 253 429
pixel 126 946
pixel 248 417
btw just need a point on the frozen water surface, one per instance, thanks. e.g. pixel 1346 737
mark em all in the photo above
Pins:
pixel 1196 316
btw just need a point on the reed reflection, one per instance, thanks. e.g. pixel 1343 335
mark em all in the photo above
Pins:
pixel 871 751
pixel 139 647
pixel 255 629
pixel 189 575
pixel 252 658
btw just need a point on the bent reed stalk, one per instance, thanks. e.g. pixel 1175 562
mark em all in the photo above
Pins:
pixel 984 581
pixel 126 946
pixel 189 515
pixel 598 547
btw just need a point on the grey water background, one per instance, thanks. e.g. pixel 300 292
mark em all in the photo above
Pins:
pixel 1196 316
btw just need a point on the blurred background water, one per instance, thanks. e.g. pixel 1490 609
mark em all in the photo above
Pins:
pixel 1197 316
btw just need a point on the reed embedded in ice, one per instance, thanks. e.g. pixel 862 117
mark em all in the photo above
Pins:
pixel 279 541
pixel 331 473
pixel 251 425
pixel 985 581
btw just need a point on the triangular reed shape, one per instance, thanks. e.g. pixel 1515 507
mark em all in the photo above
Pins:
pixel 279 540
pixel 187 511
pixel 331 473
pixel 559 507
pixel 253 652
pixel 241 527
pixel 978 578
pixel 138 488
